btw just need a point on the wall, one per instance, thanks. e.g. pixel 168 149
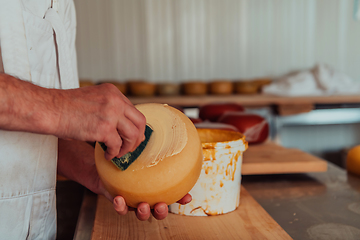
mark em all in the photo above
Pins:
pixel 178 40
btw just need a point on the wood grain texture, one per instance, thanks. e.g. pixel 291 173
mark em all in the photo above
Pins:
pixel 248 100
pixel 270 158
pixel 248 221
pixel 292 109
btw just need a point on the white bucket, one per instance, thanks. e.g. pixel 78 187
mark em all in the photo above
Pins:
pixel 217 190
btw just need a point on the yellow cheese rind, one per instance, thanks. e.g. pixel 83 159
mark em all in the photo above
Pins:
pixel 166 181
pixel 170 136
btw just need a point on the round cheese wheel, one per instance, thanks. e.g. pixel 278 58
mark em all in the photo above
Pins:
pixel 353 160
pixel 213 111
pixel 246 87
pixel 167 168
pixel 142 88
pixel 221 87
pixel 168 89
pixel 195 88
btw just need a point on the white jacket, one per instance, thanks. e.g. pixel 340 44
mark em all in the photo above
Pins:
pixel 28 161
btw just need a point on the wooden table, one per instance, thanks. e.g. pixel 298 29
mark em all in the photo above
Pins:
pixel 307 206
pixel 248 221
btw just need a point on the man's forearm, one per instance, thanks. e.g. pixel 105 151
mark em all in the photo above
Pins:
pixel 96 113
pixel 26 107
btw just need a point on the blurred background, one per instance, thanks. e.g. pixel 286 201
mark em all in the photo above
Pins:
pixel 179 40
pixel 176 41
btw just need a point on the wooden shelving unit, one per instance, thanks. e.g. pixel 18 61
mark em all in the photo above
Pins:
pixel 256 100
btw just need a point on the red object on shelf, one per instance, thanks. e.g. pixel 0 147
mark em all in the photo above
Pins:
pixel 213 111
pixel 253 126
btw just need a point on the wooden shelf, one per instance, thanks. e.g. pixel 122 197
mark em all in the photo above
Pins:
pixel 248 100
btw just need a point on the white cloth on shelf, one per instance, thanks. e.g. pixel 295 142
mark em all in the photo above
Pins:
pixel 319 81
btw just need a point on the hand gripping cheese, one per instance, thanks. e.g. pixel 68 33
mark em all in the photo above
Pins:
pixel 167 168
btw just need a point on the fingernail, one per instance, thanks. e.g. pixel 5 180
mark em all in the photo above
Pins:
pixel 120 203
pixel 161 209
pixel 142 209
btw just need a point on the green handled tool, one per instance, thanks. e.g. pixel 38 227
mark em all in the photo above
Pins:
pixel 124 162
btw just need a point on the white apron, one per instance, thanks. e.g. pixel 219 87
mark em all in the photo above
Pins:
pixel 28 161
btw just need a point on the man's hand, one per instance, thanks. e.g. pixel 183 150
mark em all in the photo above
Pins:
pixel 100 113
pixel 76 162
pixel 143 211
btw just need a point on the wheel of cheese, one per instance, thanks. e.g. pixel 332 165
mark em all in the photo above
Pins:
pixel 142 88
pixel 246 87
pixel 168 89
pixel 195 88
pixel 221 87
pixel 166 169
pixel 353 160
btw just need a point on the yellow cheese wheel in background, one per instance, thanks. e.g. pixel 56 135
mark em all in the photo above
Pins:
pixel 167 180
pixel 195 88
pixel 142 88
pixel 353 160
pixel 168 89
pixel 221 87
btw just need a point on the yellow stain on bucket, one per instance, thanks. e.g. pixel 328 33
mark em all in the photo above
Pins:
pixel 217 190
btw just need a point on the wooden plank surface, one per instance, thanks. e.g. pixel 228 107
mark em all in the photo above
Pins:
pixel 248 221
pixel 291 109
pixel 269 158
pixel 247 100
